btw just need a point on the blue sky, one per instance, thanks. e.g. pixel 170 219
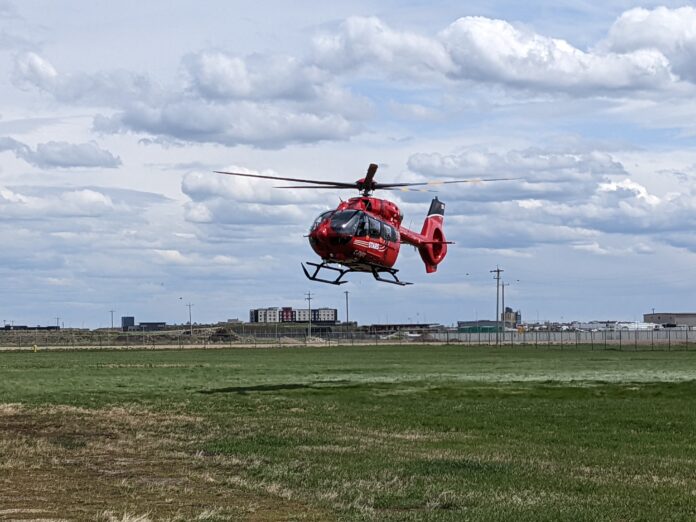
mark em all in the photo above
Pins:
pixel 114 115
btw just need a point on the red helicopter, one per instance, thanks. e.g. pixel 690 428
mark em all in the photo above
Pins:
pixel 364 234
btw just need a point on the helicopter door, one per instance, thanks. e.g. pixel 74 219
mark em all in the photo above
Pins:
pixel 377 244
pixel 391 240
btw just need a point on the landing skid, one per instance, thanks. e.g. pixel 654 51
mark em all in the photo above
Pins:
pixel 319 266
pixel 375 270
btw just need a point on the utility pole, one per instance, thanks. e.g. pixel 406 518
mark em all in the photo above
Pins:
pixel 58 322
pixel 112 318
pixel 190 321
pixel 309 326
pixel 346 292
pixel 497 272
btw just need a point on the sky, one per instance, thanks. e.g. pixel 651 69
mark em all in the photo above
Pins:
pixel 114 115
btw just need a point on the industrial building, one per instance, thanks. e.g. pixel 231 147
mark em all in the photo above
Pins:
pixel 11 327
pixel 481 326
pixel 510 317
pixel 127 322
pixel 128 325
pixel 293 315
pixel 671 319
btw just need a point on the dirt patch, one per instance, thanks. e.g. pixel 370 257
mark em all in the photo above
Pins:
pixel 123 464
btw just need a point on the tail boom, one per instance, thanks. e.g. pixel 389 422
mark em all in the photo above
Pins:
pixel 431 242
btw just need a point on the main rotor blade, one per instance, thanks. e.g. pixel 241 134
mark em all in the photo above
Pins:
pixel 437 182
pixel 406 189
pixel 369 177
pixel 315 182
pixel 319 187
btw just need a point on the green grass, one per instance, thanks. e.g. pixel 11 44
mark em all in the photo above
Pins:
pixel 365 433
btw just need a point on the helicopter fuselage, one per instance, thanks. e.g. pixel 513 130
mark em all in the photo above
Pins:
pixel 363 233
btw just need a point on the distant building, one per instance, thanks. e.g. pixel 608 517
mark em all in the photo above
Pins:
pixel 24 327
pixel 671 319
pixel 127 322
pixel 324 315
pixel 287 314
pixel 481 326
pixel 291 315
pixel 264 315
pixel 510 317
pixel 152 326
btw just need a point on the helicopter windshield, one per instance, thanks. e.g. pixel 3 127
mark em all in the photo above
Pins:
pixel 346 221
pixel 320 219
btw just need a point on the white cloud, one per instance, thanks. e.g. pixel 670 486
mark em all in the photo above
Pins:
pixel 573 197
pixel 59 154
pixel 33 70
pixel 496 51
pixel 544 174
pixel 202 186
pixel 361 42
pixel 475 48
pixel 218 76
pixel 240 122
pixel 67 203
pixel 172 257
pixel 672 32
pixel 111 88
pixel 268 102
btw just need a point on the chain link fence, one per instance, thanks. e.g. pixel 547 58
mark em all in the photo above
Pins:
pixel 279 336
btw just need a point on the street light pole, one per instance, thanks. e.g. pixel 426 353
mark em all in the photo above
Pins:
pixel 112 318
pixel 497 272
pixel 502 286
pixel 346 292
pixel 309 326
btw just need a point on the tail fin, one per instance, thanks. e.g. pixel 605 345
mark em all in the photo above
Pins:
pixel 434 251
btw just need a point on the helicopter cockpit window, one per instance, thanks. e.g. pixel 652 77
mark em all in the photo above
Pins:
pixel 375 227
pixel 320 219
pixel 389 233
pixel 346 221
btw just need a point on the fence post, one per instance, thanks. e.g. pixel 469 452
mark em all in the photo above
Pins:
pixel 620 340
pixel 605 339
pixel 652 339
pixel 669 340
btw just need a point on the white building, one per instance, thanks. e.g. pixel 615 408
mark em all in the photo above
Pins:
pixel 297 315
pixel 264 315
pixel 301 315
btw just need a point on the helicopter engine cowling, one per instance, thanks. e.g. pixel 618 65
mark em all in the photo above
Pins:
pixel 435 249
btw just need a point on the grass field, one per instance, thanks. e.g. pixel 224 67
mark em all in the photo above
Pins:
pixel 361 433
